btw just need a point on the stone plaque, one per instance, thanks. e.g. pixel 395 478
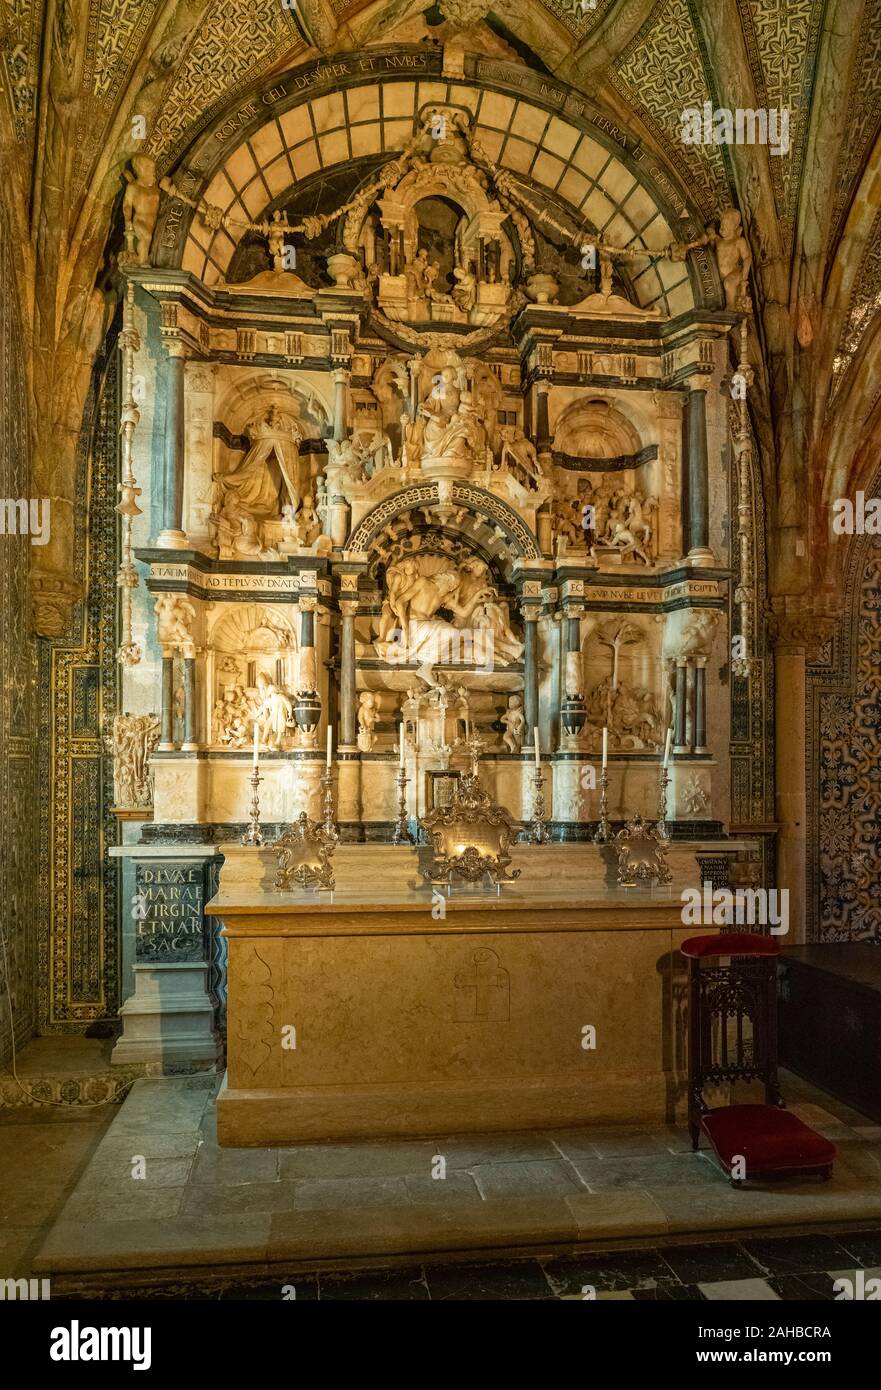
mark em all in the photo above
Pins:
pixel 167 908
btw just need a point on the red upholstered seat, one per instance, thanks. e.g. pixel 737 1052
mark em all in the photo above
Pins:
pixel 769 1140
pixel 745 943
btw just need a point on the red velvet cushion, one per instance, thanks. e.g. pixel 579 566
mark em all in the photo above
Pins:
pixel 769 1140
pixel 744 943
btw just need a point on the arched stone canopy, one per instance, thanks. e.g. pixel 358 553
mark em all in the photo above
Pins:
pixel 495 526
pixel 286 132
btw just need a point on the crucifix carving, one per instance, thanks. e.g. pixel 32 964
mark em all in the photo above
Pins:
pixel 485 989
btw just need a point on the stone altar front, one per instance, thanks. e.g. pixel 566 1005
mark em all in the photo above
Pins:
pixel 377 1011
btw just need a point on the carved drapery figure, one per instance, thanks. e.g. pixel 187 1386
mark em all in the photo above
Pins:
pixel 275 715
pixel 266 477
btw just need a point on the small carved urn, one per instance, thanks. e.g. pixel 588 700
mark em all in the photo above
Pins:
pixel 341 267
pixel 307 710
pixel 543 288
pixel 573 714
pixel 573 710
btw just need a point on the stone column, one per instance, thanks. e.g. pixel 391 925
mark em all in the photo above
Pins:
pixel 189 744
pixel 340 382
pixel 166 737
pixel 172 535
pixel 700 704
pixel 530 670
pixel 307 623
pixel 542 425
pixel 679 734
pixel 348 730
pixel 698 517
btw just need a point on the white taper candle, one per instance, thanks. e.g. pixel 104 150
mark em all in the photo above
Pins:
pixel 605 746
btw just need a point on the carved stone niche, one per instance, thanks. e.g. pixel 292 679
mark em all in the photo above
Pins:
pixel 252 673
pixel 442 201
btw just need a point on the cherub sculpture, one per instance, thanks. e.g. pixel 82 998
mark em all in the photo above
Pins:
pixel 140 208
pixel 514 721
pixel 367 717
pixel 732 253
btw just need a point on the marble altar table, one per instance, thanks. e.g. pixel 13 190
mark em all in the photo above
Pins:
pixel 366 1013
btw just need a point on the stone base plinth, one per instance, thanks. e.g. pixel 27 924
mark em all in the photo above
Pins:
pixel 169 1019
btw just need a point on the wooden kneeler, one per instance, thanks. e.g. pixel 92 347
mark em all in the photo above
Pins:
pixel 750 1141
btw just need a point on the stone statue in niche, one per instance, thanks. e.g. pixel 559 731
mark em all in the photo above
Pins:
pixel 367 717
pixel 275 713
pixel 457 440
pixel 174 618
pixel 140 208
pixel 257 488
pixel 135 737
pixel 514 721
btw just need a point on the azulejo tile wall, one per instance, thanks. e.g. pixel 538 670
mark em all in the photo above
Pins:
pixel 79 938
pixel 844 782
pixel 19 822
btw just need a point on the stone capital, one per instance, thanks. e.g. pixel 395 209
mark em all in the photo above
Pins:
pixel 52 599
pixel 349 607
pixel 799 625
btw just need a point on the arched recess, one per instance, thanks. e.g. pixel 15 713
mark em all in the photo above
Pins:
pixel 494 527
pixel 318 118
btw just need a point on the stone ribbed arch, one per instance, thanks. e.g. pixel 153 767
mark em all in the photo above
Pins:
pixel 492 524
pixel 291 132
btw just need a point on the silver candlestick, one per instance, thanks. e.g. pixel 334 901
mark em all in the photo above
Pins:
pixel 603 831
pixel 254 835
pixel 402 835
pixel 330 827
pixel 663 784
pixel 538 833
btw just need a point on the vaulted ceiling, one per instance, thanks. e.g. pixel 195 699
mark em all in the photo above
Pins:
pixel 78 72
